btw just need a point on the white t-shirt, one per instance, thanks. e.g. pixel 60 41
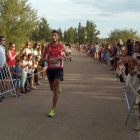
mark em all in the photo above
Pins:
pixel 29 69
pixel 136 54
pixel 96 48
pixel 25 70
pixel 27 51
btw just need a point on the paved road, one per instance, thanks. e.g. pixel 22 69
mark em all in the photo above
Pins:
pixel 89 108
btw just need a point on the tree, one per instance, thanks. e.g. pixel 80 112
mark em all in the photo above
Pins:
pixel 60 34
pixel 83 35
pixel 70 35
pixel 44 30
pixel 17 20
pixel 65 35
pixel 92 32
pixel 123 34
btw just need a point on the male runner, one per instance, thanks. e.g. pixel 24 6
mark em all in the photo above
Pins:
pixel 54 66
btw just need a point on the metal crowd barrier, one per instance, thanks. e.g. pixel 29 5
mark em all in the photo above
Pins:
pixel 6 82
pixel 130 95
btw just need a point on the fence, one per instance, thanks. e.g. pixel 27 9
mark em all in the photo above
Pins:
pixel 130 95
pixel 6 82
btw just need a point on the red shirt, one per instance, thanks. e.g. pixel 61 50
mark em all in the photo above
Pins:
pixel 11 62
pixel 55 53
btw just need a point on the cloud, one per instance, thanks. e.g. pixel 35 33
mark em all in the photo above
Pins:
pixel 113 6
pixel 106 14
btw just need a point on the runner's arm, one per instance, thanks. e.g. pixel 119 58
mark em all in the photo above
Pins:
pixel 44 54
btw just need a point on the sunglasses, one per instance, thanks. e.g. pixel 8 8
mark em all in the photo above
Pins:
pixel 13 46
pixel 2 39
pixel 28 44
pixel 37 44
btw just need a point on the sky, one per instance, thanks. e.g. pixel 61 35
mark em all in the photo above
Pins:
pixel 106 14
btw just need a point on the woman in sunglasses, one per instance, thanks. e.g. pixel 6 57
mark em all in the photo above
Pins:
pixel 27 49
pixel 11 55
pixel 36 51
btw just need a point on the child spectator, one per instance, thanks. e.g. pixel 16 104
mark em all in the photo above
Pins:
pixel 107 54
pixel 24 72
pixel 31 71
pixel 17 74
pixel 37 59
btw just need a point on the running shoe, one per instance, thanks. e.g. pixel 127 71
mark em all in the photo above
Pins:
pixel 137 128
pixel 52 113
pixel 59 90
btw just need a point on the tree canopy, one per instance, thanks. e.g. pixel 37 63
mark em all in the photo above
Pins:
pixel 19 23
pixel 17 20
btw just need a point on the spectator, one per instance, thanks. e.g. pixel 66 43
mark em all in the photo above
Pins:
pixel 27 49
pixel 107 54
pixel 3 63
pixel 44 65
pixel 36 62
pixel 17 74
pixel 127 61
pixel 136 49
pixel 30 70
pixel 24 72
pixel 115 53
pixel 11 55
pixel 120 42
pixel 128 41
pixel 36 51
pixel 102 53
pixel 96 50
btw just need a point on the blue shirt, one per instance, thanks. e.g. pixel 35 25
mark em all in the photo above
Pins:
pixel 2 56
pixel 17 70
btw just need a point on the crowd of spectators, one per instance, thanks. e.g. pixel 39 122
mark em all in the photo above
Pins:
pixel 21 65
pixel 114 55
pixel 123 59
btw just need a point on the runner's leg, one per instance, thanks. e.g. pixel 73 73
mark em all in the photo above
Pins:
pixel 55 89
pixel 51 85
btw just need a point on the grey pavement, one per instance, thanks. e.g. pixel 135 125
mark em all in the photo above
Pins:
pixel 89 107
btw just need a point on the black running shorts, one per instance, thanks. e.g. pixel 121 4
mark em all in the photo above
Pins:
pixel 55 74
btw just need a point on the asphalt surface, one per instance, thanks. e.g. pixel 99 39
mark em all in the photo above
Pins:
pixel 89 107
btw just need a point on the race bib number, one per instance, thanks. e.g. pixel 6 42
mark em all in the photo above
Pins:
pixel 57 63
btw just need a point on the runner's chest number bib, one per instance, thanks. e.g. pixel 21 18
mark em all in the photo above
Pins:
pixel 57 63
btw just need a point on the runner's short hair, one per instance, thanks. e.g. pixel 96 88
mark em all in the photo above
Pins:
pixel 138 76
pixel 55 31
